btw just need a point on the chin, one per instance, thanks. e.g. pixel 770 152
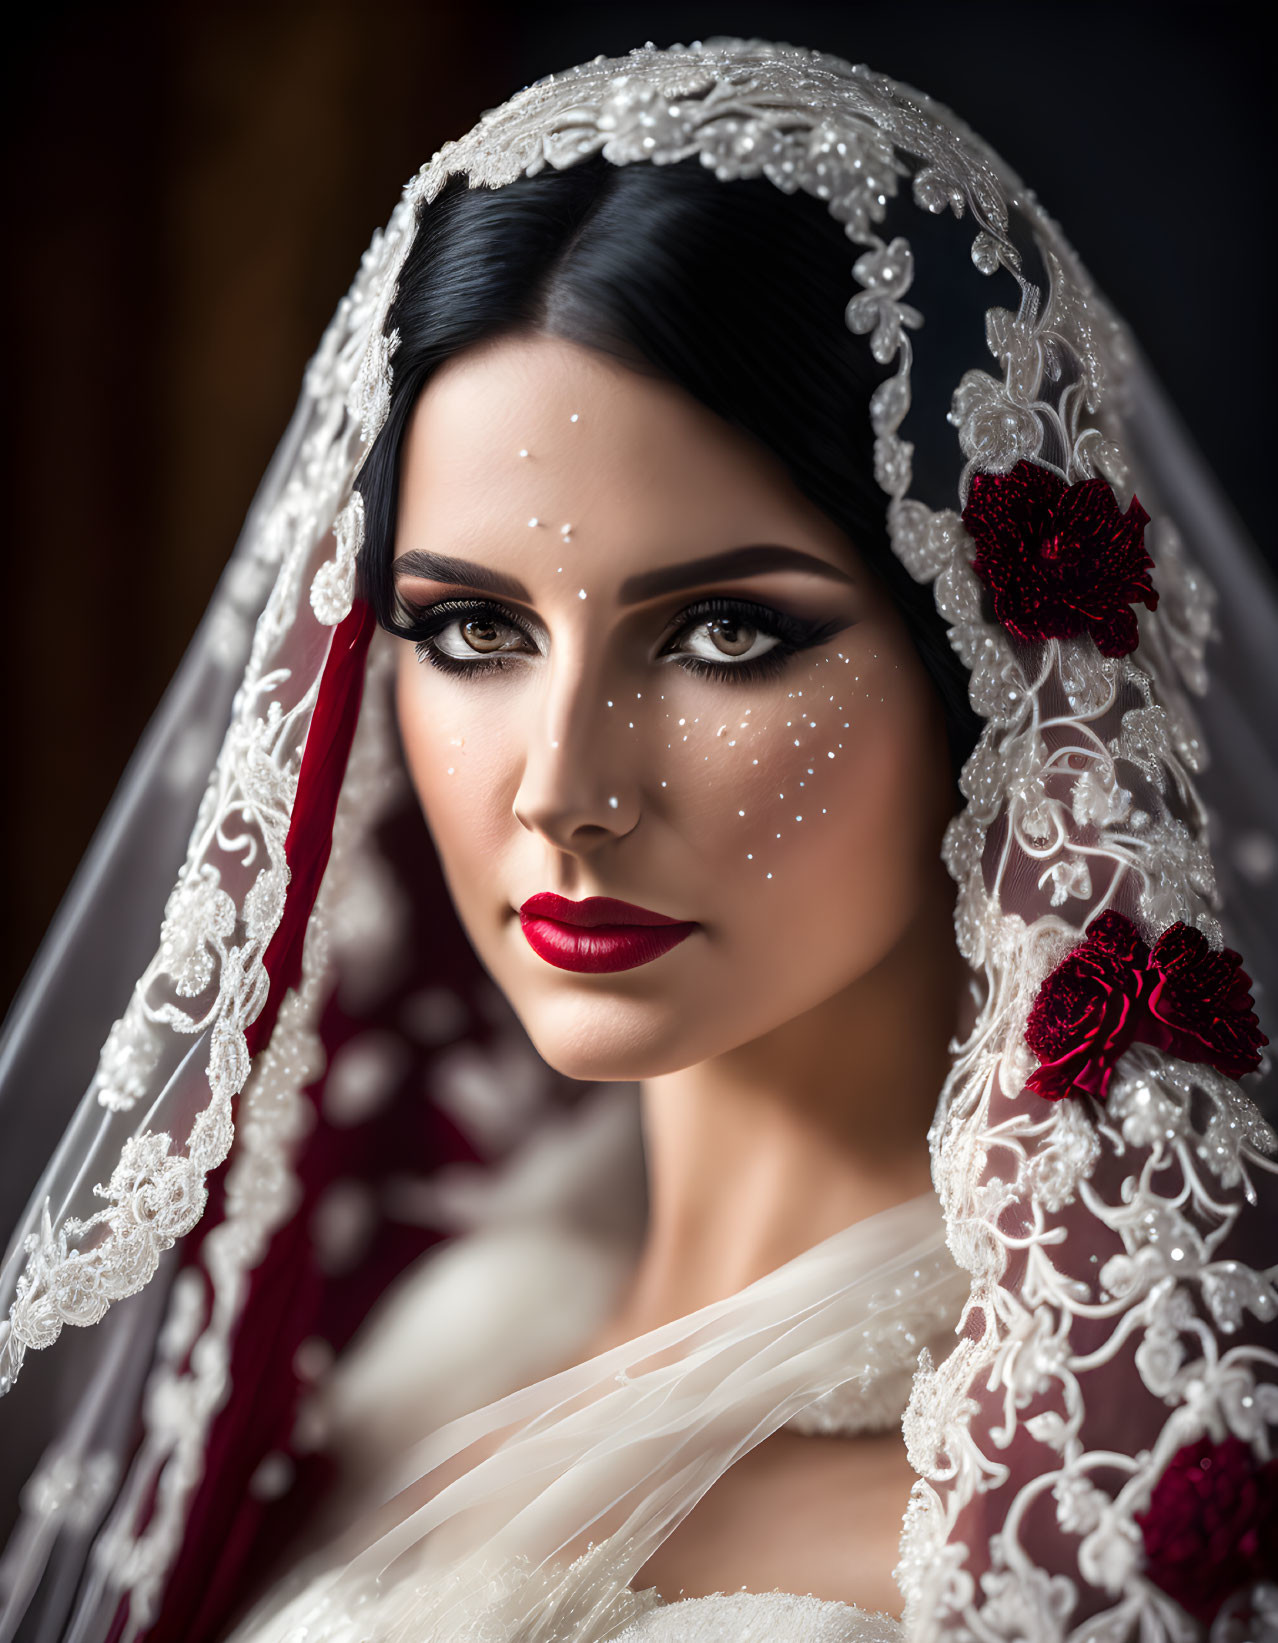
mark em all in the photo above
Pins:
pixel 608 1040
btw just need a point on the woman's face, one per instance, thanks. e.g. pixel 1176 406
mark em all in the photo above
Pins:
pixel 650 669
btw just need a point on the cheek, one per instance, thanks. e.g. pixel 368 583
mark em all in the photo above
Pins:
pixel 824 820
pixel 455 746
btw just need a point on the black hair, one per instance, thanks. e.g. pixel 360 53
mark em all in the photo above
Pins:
pixel 734 291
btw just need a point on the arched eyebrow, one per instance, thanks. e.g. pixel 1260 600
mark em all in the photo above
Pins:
pixel 463 573
pixel 753 560
pixel 720 567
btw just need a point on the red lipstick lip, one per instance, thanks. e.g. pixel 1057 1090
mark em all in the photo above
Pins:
pixel 598 936
pixel 592 912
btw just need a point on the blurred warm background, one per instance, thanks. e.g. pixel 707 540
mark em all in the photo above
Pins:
pixel 188 189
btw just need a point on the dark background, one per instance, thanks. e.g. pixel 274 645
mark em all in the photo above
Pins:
pixel 188 189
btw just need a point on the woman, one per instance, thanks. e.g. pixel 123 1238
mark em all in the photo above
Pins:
pixel 588 438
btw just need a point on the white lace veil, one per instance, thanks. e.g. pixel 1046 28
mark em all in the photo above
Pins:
pixel 1119 1318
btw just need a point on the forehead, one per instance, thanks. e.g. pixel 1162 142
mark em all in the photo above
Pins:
pixel 628 460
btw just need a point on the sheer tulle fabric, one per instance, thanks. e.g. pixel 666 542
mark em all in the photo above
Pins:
pixel 542 1537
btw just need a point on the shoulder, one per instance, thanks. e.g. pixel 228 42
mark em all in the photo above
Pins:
pixel 781 1617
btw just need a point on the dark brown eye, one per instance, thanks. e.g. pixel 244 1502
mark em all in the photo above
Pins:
pixel 478 633
pixel 725 636
pixel 463 636
pixel 731 636
pixel 483 634
pixel 739 640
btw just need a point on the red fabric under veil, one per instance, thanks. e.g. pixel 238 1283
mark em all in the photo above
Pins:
pixel 233 1532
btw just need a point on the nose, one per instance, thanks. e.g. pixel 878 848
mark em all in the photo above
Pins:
pixel 580 787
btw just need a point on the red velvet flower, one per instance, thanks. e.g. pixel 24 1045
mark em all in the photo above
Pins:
pixel 1211 1527
pixel 1112 991
pixel 1060 560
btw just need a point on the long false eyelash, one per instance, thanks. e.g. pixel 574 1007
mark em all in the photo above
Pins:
pixel 792 632
pixel 425 621
pixel 426 652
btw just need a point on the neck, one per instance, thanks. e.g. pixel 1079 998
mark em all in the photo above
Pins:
pixel 756 1155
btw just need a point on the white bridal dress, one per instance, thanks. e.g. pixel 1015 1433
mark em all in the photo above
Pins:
pixel 515 1300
